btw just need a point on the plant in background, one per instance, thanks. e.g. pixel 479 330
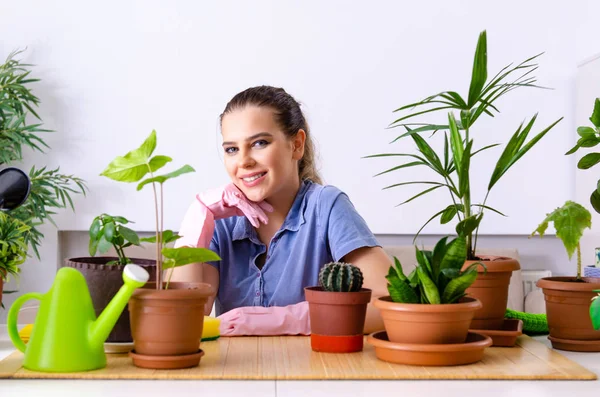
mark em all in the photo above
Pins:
pixel 13 245
pixel 107 231
pixel 570 221
pixel 452 165
pixel 437 278
pixel 340 277
pixel 134 166
pixel 50 189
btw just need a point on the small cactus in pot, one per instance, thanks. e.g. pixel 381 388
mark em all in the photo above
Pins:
pixel 340 277
pixel 338 306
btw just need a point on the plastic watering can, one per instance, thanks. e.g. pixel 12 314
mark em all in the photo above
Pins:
pixel 66 335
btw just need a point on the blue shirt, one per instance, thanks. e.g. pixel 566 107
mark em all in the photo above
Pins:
pixel 322 226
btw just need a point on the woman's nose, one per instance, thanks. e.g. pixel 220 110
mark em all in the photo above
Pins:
pixel 245 159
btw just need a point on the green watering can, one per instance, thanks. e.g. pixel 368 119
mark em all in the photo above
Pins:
pixel 66 335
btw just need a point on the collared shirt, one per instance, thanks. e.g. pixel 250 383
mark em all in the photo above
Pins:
pixel 322 226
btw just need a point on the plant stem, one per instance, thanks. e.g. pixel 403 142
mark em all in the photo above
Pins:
pixel 467 205
pixel 162 224
pixel 578 262
pixel 477 230
pixel 158 251
pixel 450 181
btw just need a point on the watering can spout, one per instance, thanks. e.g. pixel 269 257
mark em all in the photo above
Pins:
pixel 134 276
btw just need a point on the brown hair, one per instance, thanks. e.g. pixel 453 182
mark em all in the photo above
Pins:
pixel 289 117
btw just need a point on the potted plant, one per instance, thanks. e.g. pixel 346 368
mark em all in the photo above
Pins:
pixel 452 164
pixel 103 274
pixel 590 137
pixel 337 309
pixel 568 298
pixel 166 318
pixel 429 311
pixel 13 247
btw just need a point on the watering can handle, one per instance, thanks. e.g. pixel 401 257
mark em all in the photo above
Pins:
pixel 13 315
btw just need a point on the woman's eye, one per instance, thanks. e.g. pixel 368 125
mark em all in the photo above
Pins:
pixel 260 143
pixel 230 150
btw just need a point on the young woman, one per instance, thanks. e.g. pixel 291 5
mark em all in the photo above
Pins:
pixel 275 225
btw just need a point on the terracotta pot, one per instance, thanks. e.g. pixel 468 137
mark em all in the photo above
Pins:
pixel 491 289
pixel 568 309
pixel 168 322
pixel 337 319
pixel 103 283
pixel 427 324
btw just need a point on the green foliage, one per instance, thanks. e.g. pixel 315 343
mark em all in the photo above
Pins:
pixel 533 323
pixel 340 277
pixel 13 245
pixel 50 189
pixel 134 166
pixel 590 137
pixel 452 164
pixel 107 231
pixel 595 311
pixel 570 221
pixel 438 277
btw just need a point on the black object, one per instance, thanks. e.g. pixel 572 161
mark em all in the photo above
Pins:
pixel 14 188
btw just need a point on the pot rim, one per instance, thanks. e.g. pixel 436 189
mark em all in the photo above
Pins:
pixel 316 294
pixel 200 290
pixel 496 265
pixel 481 341
pixel 562 283
pixel 468 304
pixel 99 262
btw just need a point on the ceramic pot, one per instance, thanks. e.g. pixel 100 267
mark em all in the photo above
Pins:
pixel 491 289
pixel 568 311
pixel 168 322
pixel 103 283
pixel 427 324
pixel 337 319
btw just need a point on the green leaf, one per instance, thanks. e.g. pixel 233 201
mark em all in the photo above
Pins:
pixel 479 75
pixel 129 235
pixel 109 231
pixel 468 225
pixel 122 220
pixel 93 247
pixel 95 229
pixel 595 200
pixel 429 287
pixel 570 220
pixel 104 245
pixel 586 132
pixel 456 143
pixel 457 286
pixel 595 309
pixel 595 119
pixel 411 164
pixel 449 213
pixel 588 161
pixel 157 162
pixel 400 291
pixel 455 254
pixel 186 255
pixel 162 178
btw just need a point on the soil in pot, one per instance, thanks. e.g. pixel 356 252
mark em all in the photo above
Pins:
pixel 337 319
pixel 491 289
pixel 103 283
pixel 567 307
pixel 427 324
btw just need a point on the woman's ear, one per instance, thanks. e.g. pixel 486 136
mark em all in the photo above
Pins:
pixel 298 145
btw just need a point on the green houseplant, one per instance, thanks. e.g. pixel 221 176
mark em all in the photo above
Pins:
pixel 13 247
pixel 166 318
pixel 430 306
pixel 568 298
pixel 50 189
pixel 451 164
pixel 337 309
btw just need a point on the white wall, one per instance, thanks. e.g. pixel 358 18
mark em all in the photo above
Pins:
pixel 114 71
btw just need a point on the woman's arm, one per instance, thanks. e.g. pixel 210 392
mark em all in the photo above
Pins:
pixel 197 272
pixel 374 263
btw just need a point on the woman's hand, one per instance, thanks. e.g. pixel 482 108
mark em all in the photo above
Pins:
pixel 274 320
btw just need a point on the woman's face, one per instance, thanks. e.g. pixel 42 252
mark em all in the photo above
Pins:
pixel 260 160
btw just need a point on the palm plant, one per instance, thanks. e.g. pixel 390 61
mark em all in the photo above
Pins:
pixel 13 246
pixel 50 189
pixel 453 164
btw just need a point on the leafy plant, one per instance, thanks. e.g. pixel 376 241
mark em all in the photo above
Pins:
pixel 340 277
pixel 134 166
pixel 570 221
pixel 590 137
pixel 50 189
pixel 452 165
pixel 107 231
pixel 437 278
pixel 13 245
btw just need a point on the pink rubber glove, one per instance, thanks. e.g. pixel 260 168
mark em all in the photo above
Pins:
pixel 258 320
pixel 199 222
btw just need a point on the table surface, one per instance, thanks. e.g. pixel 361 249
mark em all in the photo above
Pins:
pixel 316 388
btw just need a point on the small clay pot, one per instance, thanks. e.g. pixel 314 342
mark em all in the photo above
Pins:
pixel 568 311
pixel 104 281
pixel 168 322
pixel 427 324
pixel 491 289
pixel 337 319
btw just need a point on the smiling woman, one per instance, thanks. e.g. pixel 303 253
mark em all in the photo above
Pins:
pixel 275 226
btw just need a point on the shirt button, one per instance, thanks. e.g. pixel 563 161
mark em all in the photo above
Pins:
pixel 257 293
pixel 257 274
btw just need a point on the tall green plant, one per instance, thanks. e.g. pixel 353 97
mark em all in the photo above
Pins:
pixel 570 221
pixel 453 164
pixel 50 189
pixel 13 245
pixel 134 166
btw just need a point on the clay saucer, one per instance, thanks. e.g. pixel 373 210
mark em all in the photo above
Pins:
pixel 166 362
pixel 575 345
pixel 428 355
pixel 506 336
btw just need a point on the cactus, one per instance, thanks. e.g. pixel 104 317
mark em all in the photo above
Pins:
pixel 340 277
